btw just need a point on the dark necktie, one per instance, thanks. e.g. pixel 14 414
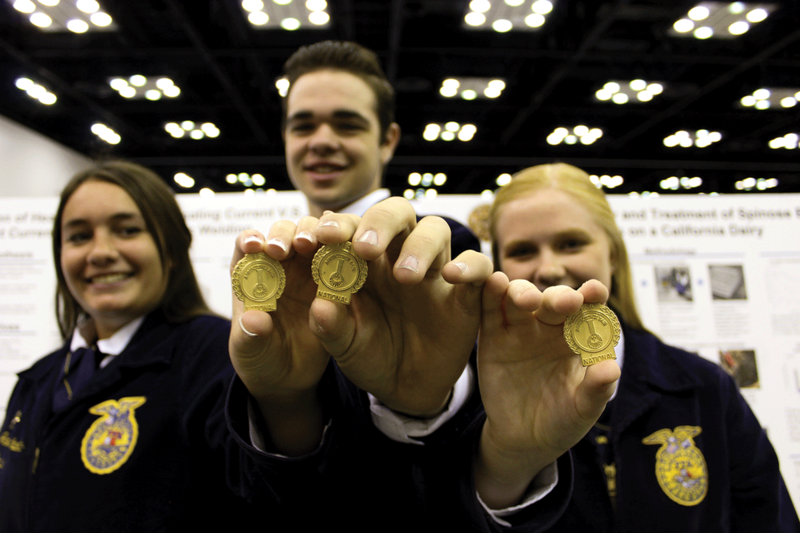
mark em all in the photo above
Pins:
pixel 75 374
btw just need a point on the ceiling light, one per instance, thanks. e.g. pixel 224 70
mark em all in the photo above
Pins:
pixel 472 88
pixel 683 26
pixel 100 19
pixel 698 13
pixel 739 27
pixel 153 95
pixel 474 19
pixel 503 179
pixel 757 15
pixel 76 16
pixel 252 5
pixel 24 6
pixel 138 86
pixel 480 6
pixel 505 16
pixel 622 92
pixel 721 20
pixel 319 18
pixel 41 20
pixel 87 6
pixel 36 91
pixel 534 20
pixel 258 18
pixel 414 179
pixel 106 133
pixel 700 139
pixel 704 32
pixel 184 180
pixel 542 7
pixel 502 25
pixel 290 24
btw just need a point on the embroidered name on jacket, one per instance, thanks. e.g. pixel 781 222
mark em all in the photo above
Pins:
pixel 680 466
pixel 110 440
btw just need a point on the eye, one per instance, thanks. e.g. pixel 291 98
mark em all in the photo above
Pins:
pixel 573 244
pixel 78 237
pixel 302 127
pixel 130 231
pixel 520 251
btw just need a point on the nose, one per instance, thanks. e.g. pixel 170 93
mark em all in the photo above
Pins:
pixel 550 271
pixel 324 140
pixel 103 250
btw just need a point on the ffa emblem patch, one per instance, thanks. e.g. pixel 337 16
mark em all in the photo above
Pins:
pixel 680 466
pixel 110 440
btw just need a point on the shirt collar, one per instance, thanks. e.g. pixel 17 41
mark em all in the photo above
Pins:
pixel 109 347
pixel 360 206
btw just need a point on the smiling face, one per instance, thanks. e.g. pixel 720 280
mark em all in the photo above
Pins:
pixel 334 149
pixel 549 239
pixel 109 259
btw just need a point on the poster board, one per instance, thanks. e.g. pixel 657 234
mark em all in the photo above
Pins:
pixel 716 275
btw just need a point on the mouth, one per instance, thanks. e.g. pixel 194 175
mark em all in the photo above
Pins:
pixel 324 168
pixel 105 279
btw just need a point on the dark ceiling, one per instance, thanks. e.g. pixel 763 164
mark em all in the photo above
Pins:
pixel 226 71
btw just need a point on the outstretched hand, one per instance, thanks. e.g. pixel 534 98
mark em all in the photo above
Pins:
pixel 276 356
pixel 407 335
pixel 539 399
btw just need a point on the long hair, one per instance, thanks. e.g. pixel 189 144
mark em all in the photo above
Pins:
pixel 575 183
pixel 182 298
pixel 349 57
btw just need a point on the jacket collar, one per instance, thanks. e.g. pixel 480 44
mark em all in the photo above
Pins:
pixel 142 345
pixel 650 372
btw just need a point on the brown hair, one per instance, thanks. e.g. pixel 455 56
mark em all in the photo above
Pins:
pixel 349 57
pixel 182 299
pixel 576 183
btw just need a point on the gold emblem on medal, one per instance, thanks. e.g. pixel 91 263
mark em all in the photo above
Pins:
pixel 338 272
pixel 681 469
pixel 592 333
pixel 258 281
pixel 111 439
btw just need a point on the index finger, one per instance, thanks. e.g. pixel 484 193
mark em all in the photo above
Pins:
pixel 383 228
pixel 247 242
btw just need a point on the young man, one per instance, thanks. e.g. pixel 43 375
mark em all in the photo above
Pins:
pixel 406 338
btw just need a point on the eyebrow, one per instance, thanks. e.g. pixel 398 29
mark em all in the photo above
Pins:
pixel 338 113
pixel 117 217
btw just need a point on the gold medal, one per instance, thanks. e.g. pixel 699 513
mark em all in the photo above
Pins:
pixel 592 333
pixel 338 272
pixel 258 281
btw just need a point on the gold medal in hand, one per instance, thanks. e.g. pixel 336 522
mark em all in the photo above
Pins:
pixel 338 272
pixel 592 333
pixel 258 281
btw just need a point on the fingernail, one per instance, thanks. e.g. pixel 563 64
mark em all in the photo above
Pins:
pixel 410 263
pixel 327 212
pixel 245 329
pixel 253 238
pixel 279 243
pixel 306 236
pixel 462 267
pixel 369 237
pixel 330 224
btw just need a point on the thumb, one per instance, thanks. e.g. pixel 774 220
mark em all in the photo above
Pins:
pixel 333 325
pixel 597 387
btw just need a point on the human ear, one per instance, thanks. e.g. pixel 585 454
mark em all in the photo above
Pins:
pixel 390 142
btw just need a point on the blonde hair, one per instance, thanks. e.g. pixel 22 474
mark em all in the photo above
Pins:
pixel 575 183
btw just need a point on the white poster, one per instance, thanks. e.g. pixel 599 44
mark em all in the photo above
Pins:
pixel 716 275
